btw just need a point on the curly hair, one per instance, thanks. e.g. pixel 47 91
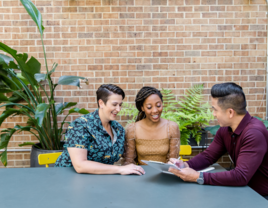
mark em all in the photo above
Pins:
pixel 141 97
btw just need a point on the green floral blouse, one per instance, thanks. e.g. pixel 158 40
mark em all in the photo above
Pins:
pixel 88 133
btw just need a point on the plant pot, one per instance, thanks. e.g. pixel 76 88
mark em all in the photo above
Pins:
pixel 36 151
pixel 203 141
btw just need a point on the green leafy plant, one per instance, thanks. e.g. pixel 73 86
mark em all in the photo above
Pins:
pixel 213 129
pixel 265 122
pixel 129 110
pixel 189 112
pixel 22 90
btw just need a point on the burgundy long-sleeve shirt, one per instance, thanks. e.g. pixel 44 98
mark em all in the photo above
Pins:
pixel 248 148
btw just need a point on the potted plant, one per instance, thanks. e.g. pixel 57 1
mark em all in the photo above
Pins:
pixel 189 113
pixel 23 92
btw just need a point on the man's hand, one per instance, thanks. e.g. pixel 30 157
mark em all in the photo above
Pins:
pixel 186 174
pixel 178 163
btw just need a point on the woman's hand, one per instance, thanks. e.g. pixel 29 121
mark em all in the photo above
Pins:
pixel 131 169
pixel 178 163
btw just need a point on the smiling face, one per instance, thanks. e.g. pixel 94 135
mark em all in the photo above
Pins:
pixel 112 106
pixel 223 116
pixel 153 107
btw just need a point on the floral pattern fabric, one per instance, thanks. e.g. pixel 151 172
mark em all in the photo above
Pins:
pixel 87 132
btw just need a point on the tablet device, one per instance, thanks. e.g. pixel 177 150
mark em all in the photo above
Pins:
pixel 162 167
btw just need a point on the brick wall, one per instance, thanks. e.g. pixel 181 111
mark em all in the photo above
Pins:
pixel 163 43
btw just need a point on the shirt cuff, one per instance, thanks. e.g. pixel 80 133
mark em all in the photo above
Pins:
pixel 189 163
pixel 206 176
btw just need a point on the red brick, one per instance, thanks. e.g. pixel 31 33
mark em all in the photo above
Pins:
pixel 103 48
pixel 95 67
pixel 110 16
pixel 93 2
pixel 241 53
pixel 159 2
pixel 151 35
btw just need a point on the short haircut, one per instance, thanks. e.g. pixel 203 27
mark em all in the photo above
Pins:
pixel 105 90
pixel 230 95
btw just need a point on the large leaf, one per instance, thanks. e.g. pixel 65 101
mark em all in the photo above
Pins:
pixel 34 13
pixel 22 78
pixel 23 56
pixel 213 129
pixel 26 143
pixel 41 112
pixel 78 110
pixel 22 128
pixel 258 118
pixel 40 77
pixel 61 106
pixel 8 113
pixel 265 123
pixel 8 82
pixel 28 69
pixel 3 98
pixel 7 49
pixel 3 156
pixel 70 80
pixel 5 137
pixel 5 59
pixel 34 66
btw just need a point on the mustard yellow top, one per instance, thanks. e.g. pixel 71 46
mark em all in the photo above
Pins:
pixel 161 150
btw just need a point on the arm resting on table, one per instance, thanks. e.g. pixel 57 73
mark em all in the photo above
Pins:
pixel 250 157
pixel 211 155
pixel 82 165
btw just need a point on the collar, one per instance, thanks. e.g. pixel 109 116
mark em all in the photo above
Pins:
pixel 242 125
pixel 95 122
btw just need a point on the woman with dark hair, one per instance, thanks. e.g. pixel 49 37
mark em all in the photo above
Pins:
pixel 151 137
pixel 95 141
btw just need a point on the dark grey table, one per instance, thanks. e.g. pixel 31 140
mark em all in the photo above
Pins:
pixel 64 188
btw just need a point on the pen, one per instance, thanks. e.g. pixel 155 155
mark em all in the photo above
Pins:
pixel 176 161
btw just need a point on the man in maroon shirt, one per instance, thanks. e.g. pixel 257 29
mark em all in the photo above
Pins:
pixel 245 138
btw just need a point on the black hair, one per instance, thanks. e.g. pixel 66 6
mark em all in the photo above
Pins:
pixel 230 95
pixel 105 90
pixel 141 97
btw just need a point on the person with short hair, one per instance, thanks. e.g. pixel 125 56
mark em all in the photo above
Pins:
pixel 242 136
pixel 95 141
pixel 151 137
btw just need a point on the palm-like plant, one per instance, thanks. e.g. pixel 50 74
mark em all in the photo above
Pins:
pixel 20 77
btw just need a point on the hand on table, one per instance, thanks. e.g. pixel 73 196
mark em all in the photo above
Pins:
pixel 186 174
pixel 178 163
pixel 131 169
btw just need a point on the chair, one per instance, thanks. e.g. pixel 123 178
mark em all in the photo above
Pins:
pixel 48 158
pixel 185 150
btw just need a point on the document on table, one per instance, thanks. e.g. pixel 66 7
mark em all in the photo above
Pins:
pixel 163 167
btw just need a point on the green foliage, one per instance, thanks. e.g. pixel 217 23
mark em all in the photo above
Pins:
pixel 190 115
pixel 20 77
pixel 265 122
pixel 213 129
pixel 129 110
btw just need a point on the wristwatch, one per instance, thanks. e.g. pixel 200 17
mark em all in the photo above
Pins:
pixel 200 180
